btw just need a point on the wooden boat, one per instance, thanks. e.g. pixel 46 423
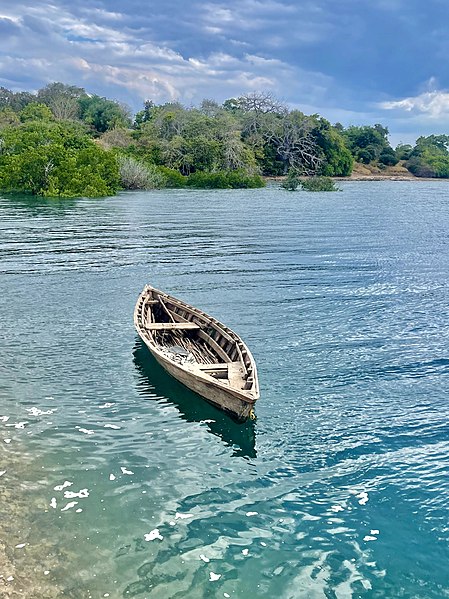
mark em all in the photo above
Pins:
pixel 197 350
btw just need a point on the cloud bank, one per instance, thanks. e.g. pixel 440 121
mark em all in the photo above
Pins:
pixel 351 59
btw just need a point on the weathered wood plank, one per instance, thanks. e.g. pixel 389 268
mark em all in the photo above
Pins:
pixel 218 350
pixel 168 326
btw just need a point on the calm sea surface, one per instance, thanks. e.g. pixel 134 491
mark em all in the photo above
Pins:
pixel 339 489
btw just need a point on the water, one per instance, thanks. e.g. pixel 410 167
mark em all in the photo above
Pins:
pixel 339 489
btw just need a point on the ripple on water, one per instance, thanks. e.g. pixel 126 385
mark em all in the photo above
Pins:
pixel 126 485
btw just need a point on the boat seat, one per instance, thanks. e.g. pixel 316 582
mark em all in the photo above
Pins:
pixel 229 373
pixel 171 326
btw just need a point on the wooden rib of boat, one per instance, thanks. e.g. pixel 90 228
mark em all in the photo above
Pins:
pixel 197 350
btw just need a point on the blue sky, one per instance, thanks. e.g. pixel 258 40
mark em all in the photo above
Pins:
pixel 357 62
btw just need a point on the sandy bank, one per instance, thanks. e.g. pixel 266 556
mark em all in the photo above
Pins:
pixel 362 172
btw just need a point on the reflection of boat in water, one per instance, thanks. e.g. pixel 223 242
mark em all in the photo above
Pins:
pixel 155 382
pixel 197 350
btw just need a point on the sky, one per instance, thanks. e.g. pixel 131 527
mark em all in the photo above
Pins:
pixel 355 62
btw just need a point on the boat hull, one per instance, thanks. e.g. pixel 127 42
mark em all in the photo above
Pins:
pixel 227 400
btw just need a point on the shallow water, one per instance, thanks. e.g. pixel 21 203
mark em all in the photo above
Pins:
pixel 339 489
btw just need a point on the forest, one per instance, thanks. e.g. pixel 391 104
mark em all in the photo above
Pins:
pixel 64 141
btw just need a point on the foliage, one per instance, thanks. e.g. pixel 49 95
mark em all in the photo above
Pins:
pixel 189 154
pixel 224 180
pixel 102 114
pixel 35 112
pixel 430 163
pixel 8 117
pixel 172 179
pixel 318 184
pixel 144 115
pixel 282 140
pixel 336 159
pixel 388 157
pixel 116 138
pixel 203 180
pixel 367 143
pixel 190 140
pixel 254 133
pixel 403 151
pixel 47 158
pixel 430 157
pixel 209 146
pixel 439 142
pixel 366 155
pixel 292 181
pixel 136 175
pixel 271 164
pixel 241 180
pixel 210 108
pixel 15 101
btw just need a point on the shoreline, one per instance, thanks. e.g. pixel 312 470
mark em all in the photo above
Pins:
pixel 388 178
pixel 370 178
pixel 371 172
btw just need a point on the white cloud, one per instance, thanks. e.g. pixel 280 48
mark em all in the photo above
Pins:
pixel 261 18
pixel 434 104
pixel 100 13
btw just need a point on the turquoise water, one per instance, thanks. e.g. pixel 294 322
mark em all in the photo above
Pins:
pixel 339 489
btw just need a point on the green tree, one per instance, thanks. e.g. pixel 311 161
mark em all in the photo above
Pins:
pixel 430 157
pixel 35 112
pixel 51 159
pixel 145 115
pixel 103 114
pixel 438 142
pixel 292 181
pixel 231 105
pixel 367 143
pixel 403 151
pixel 336 159
pixel 8 117
pixel 15 101
pixel 319 184
pixel 388 157
pixel 190 140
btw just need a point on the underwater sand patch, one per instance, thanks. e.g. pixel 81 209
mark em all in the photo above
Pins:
pixel 28 569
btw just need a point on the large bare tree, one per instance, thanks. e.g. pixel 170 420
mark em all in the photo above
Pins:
pixel 267 120
pixel 295 143
pixel 62 100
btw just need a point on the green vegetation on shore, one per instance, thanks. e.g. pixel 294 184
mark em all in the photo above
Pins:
pixel 63 141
